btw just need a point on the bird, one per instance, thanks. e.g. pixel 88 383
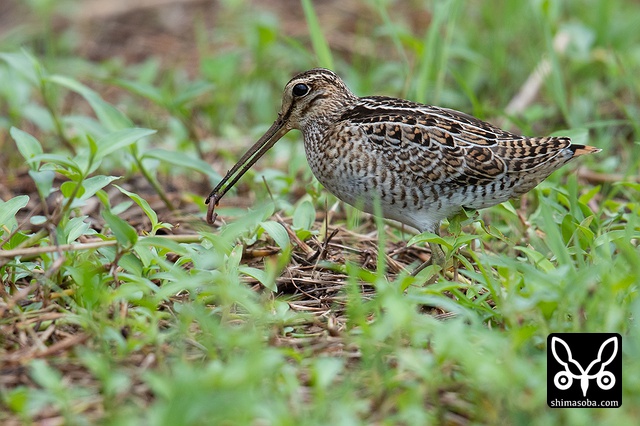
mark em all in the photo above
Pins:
pixel 414 163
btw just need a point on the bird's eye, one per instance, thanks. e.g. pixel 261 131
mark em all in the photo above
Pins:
pixel 300 89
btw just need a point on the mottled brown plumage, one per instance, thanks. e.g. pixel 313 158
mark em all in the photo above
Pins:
pixel 421 163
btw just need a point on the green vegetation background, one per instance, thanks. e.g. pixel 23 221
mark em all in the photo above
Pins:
pixel 106 116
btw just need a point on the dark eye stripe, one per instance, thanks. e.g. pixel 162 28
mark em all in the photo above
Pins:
pixel 311 102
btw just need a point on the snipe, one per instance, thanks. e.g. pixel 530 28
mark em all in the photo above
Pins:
pixel 421 163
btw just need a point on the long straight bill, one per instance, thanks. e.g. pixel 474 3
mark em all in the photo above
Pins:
pixel 275 132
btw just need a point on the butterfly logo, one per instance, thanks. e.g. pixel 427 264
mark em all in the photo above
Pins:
pixel 564 379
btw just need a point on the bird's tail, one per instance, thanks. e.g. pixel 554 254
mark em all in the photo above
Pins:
pixel 583 149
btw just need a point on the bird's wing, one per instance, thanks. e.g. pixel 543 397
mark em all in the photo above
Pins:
pixel 443 145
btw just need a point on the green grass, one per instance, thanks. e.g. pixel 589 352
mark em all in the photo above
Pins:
pixel 153 317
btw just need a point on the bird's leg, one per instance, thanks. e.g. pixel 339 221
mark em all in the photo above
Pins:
pixel 437 255
pixel 437 258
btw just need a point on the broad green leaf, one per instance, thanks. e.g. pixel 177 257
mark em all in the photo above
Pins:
pixel 28 146
pixel 274 267
pixel 60 160
pixel 567 227
pixel 277 232
pixel 18 399
pixel 304 216
pixel 148 254
pixel 429 237
pixel 39 116
pixel 144 205
pixel 25 65
pixel 192 91
pixel 463 239
pixel 89 280
pixel 632 185
pixel 142 89
pixel 86 124
pixel 120 207
pixel 616 235
pixel 124 233
pixel 67 189
pixel 43 180
pixel 46 376
pixel 108 115
pixel 164 243
pixel 539 259
pixel 325 370
pixel 133 289
pixel 38 220
pixel 9 209
pixel 182 160
pixel 130 263
pixel 233 260
pixel 256 273
pixel 94 184
pixel 75 228
pixel 119 139
pixel 93 145
pixel 221 68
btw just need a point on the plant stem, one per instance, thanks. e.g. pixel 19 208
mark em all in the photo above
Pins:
pixel 154 183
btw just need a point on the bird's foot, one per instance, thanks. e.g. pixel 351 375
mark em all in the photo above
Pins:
pixel 438 258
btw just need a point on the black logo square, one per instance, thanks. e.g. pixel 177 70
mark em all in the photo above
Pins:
pixel 584 370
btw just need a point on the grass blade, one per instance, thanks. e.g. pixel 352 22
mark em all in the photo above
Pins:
pixel 318 41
